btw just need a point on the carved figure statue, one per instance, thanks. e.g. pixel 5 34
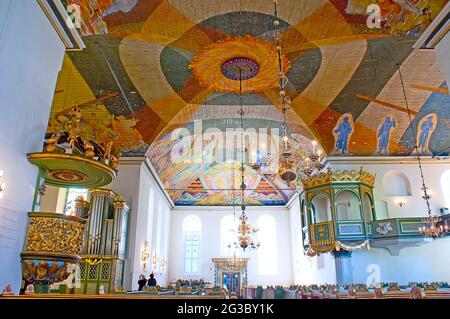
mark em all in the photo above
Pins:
pixel 29 290
pixel 41 272
pixel 107 153
pixel 7 290
pixel 73 126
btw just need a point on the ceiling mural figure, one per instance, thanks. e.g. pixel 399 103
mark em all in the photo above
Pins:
pixel 427 125
pixel 384 133
pixel 153 66
pixel 342 133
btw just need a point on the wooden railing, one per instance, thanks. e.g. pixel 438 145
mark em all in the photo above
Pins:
pixel 396 227
pixel 323 234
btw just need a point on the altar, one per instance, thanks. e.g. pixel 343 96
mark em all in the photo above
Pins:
pixel 231 273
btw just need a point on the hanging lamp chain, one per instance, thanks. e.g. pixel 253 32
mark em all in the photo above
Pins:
pixel 243 186
pixel 426 196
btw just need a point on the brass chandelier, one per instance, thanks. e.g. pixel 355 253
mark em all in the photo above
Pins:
pixel 245 232
pixel 293 162
pixel 433 228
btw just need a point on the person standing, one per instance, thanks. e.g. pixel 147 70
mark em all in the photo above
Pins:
pixel 142 281
pixel 152 281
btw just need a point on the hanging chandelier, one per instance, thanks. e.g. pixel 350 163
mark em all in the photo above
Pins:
pixel 294 162
pixel 433 224
pixel 434 228
pixel 245 232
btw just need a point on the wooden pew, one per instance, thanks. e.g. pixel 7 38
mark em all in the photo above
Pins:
pixel 437 294
pixel 109 296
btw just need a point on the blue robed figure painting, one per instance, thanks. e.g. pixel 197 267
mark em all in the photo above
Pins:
pixel 384 132
pixel 424 131
pixel 342 132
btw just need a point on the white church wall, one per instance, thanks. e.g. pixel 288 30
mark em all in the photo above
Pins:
pixel 146 201
pixel 425 263
pixel 49 201
pixel 308 270
pixel 31 55
pixel 210 246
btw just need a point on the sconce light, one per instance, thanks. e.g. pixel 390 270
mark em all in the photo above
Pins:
pixel 162 263
pixel 2 185
pixel 401 202
pixel 155 259
pixel 145 256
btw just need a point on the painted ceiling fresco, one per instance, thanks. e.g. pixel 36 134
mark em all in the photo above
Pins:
pixel 153 70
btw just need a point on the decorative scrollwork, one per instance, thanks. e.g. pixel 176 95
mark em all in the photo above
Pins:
pixel 317 180
pixel 355 176
pixel 54 235
pixel 68 175
pixel 66 134
pixel 119 202
pixel 230 264
pixel 93 262
pixel 384 228
pixel 322 237
pixel 47 272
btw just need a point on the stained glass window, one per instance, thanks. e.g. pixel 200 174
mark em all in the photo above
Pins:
pixel 192 233
pixel 71 196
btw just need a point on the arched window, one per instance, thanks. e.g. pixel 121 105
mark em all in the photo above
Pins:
pixel 268 252
pixel 71 196
pixel 320 209
pixel 303 213
pixel 367 207
pixel 347 206
pixel 381 209
pixel 192 229
pixel 396 183
pixel 228 236
pixel 445 183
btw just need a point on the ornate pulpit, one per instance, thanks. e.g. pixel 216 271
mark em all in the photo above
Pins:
pixel 231 273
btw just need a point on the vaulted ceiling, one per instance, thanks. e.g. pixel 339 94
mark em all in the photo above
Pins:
pixel 155 72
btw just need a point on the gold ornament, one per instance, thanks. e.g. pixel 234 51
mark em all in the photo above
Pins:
pixel 344 176
pixel 59 234
pixel 89 150
pixel 47 272
pixel 51 145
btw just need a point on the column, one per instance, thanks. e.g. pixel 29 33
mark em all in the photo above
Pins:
pixel 79 206
pixel 95 220
pixel 343 264
pixel 38 192
pixel 119 209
